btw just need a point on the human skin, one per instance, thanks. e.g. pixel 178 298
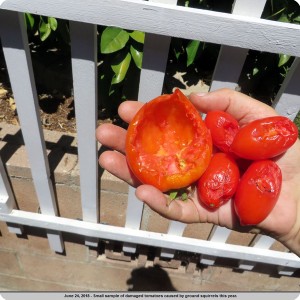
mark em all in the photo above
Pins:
pixel 283 223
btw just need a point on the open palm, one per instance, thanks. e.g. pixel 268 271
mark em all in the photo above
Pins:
pixel 283 223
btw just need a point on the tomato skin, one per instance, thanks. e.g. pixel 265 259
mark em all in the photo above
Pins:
pixel 219 182
pixel 257 192
pixel 223 128
pixel 265 138
pixel 167 143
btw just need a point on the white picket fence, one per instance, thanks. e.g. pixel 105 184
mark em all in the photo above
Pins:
pixel 160 20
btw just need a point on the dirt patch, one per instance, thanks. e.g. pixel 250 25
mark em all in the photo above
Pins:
pixel 57 112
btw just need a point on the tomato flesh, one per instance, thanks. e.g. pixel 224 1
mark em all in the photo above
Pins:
pixel 167 143
pixel 265 138
pixel 257 192
pixel 219 182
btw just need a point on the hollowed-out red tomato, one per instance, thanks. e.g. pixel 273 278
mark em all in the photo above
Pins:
pixel 167 143
pixel 257 192
pixel 265 138
pixel 223 128
pixel 219 182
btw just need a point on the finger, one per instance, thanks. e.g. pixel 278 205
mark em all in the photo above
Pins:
pixel 242 107
pixel 176 210
pixel 128 109
pixel 116 164
pixel 112 136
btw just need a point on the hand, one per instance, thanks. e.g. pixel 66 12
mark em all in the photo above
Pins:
pixel 283 223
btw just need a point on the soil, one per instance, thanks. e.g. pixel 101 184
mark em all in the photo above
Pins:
pixel 56 111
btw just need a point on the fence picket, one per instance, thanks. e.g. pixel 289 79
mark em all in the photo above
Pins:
pixel 18 61
pixel 217 234
pixel 7 199
pixel 156 50
pixel 226 74
pixel 261 242
pixel 84 69
pixel 133 217
pixel 287 101
pixel 155 55
pixel 175 228
pixel 151 82
pixel 231 59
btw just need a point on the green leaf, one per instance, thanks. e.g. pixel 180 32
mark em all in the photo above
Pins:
pixel 29 20
pixel 121 69
pixel 255 71
pixel 284 18
pixel 138 36
pixel 113 39
pixel 173 195
pixel 184 196
pixel 283 59
pixel 296 19
pixel 191 51
pixel 53 23
pixel 137 57
pixel 45 30
pixel 177 53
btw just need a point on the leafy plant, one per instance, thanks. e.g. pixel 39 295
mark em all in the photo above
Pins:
pixel 43 25
pixel 121 48
pixel 120 60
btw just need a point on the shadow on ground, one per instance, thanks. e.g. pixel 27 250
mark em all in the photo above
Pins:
pixel 150 279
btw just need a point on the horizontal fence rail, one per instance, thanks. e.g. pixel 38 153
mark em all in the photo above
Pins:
pixel 236 33
pixel 108 232
pixel 165 19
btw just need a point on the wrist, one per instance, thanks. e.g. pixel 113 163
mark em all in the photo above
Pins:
pixel 291 240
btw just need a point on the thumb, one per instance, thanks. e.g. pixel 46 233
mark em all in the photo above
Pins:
pixel 242 107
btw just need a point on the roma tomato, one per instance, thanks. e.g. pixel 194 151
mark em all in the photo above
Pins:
pixel 257 192
pixel 223 128
pixel 219 182
pixel 265 138
pixel 167 143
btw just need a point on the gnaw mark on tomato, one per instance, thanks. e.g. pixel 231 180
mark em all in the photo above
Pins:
pixel 264 185
pixel 274 131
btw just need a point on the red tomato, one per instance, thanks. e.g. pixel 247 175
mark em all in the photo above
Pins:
pixel 219 182
pixel 223 128
pixel 167 143
pixel 257 192
pixel 265 138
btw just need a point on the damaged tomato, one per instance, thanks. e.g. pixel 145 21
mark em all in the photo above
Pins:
pixel 219 182
pixel 265 138
pixel 167 144
pixel 223 128
pixel 257 192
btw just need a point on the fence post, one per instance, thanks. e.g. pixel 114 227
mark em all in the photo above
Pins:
pixel 84 69
pixel 7 199
pixel 287 101
pixel 155 56
pixel 226 74
pixel 19 66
